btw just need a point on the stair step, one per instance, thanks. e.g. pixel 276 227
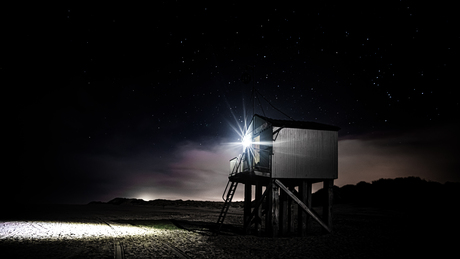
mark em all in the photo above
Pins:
pixel 228 199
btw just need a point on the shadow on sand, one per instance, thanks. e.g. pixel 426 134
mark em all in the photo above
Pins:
pixel 200 227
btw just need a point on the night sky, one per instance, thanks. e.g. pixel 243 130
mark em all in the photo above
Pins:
pixel 143 101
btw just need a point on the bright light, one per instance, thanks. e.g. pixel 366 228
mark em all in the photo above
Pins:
pixel 69 230
pixel 246 141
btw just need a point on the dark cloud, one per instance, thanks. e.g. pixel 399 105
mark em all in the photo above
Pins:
pixel 428 153
pixel 199 170
pixel 190 171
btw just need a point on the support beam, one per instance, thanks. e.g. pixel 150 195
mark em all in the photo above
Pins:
pixel 328 186
pixel 303 218
pixel 309 190
pixel 258 208
pixel 273 217
pixel 247 204
pixel 301 204
pixel 291 217
pixel 268 210
pixel 284 215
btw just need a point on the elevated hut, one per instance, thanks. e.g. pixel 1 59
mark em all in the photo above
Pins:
pixel 282 160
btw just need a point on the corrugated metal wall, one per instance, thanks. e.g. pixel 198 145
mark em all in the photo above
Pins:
pixel 305 154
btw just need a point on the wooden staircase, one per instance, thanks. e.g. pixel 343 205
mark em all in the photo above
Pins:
pixel 229 192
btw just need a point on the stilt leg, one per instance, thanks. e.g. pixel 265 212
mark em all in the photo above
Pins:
pixel 303 217
pixel 328 186
pixel 259 208
pixel 283 213
pixel 247 204
pixel 274 209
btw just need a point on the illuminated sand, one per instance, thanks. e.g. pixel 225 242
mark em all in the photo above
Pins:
pixel 93 231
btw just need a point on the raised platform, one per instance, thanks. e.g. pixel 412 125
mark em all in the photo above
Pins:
pixel 253 177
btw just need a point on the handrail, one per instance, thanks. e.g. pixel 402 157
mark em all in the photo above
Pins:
pixel 232 165
pixel 237 164
pixel 225 191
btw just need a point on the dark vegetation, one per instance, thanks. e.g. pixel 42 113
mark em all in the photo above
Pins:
pixel 410 193
pixel 400 193
pixel 167 203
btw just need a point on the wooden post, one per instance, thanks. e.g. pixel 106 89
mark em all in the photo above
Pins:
pixel 259 208
pixel 247 204
pixel 274 209
pixel 268 210
pixel 304 220
pixel 290 213
pixel 302 205
pixel 309 202
pixel 328 186
pixel 284 215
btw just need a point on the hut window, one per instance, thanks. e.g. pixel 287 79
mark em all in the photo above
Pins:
pixel 256 147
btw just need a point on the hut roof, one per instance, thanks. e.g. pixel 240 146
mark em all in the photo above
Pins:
pixel 298 124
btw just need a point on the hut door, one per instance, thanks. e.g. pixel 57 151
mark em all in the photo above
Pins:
pixel 256 148
pixel 261 153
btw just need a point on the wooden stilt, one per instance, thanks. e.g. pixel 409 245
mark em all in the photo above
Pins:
pixel 258 209
pixel 268 210
pixel 290 214
pixel 274 209
pixel 305 196
pixel 283 213
pixel 328 186
pixel 302 205
pixel 309 203
pixel 247 205
pixel 258 204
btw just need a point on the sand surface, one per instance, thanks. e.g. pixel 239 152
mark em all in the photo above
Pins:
pixel 130 231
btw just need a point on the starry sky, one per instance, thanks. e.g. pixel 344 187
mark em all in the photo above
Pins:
pixel 145 101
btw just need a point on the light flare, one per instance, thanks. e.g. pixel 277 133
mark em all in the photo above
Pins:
pixel 241 130
pixel 246 141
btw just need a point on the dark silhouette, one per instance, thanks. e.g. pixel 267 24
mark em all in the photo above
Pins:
pixel 408 193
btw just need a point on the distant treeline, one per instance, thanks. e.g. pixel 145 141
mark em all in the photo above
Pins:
pixel 402 193
pixel 409 193
pixel 165 203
